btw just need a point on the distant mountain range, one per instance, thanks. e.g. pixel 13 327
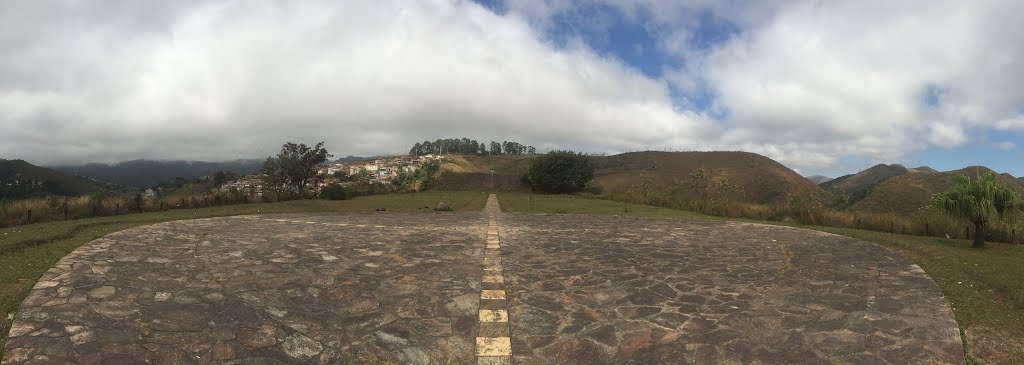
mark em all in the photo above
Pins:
pixel 897 189
pixel 819 179
pixel 351 159
pixel 20 179
pixel 147 173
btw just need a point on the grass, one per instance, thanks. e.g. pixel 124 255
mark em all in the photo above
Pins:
pixel 985 287
pixel 27 251
pixel 521 202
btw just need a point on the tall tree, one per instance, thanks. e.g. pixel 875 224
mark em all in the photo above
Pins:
pixel 979 201
pixel 295 166
pixel 495 148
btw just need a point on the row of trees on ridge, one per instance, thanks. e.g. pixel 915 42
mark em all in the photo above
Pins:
pixel 466 146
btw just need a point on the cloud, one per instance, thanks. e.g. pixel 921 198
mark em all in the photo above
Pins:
pixel 1004 146
pixel 812 84
pixel 856 74
pixel 1015 123
pixel 236 79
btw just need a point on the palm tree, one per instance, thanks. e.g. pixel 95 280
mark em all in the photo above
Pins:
pixel 978 201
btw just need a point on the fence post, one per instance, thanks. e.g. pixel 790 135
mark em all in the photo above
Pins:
pixel 161 205
pixel 30 216
pixel 65 211
pixel 205 203
pixel 967 232
pixel 117 209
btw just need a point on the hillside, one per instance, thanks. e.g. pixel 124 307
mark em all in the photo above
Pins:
pixel 908 192
pixel 819 179
pixel 146 173
pixel 20 179
pixel 856 183
pixel 761 179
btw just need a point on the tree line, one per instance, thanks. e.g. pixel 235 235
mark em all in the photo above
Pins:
pixel 466 146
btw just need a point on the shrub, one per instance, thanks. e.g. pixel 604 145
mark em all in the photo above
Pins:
pixel 335 192
pixel 560 172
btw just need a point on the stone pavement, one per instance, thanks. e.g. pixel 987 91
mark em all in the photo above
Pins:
pixel 392 288
pixel 623 290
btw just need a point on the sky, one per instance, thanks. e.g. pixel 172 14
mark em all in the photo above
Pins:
pixel 824 87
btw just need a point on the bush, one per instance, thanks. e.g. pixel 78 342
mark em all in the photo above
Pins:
pixel 335 192
pixel 560 172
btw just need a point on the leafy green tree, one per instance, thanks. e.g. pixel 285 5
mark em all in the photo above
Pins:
pixel 979 201
pixel 560 172
pixel 294 168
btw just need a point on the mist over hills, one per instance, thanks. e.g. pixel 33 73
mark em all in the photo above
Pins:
pixel 819 179
pixel 20 179
pixel 148 173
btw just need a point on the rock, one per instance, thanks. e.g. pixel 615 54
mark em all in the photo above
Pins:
pixel 257 337
pixel 224 351
pixel 391 341
pixel 442 206
pixel 102 292
pixel 415 356
pixel 302 347
pixel 463 305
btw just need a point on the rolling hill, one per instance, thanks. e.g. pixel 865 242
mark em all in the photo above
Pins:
pixel 145 173
pixel 857 183
pixel 908 192
pixel 762 179
pixel 20 179
pixel 819 179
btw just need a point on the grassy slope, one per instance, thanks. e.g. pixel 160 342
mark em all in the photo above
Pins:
pixel 908 192
pixel 762 179
pixel 26 252
pixel 983 286
pixel 857 185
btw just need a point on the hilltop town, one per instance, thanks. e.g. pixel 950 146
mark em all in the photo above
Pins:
pixel 383 170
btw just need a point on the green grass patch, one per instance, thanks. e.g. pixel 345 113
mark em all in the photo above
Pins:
pixel 26 252
pixel 985 287
pixel 554 203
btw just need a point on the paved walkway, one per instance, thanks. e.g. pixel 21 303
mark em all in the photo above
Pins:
pixel 491 288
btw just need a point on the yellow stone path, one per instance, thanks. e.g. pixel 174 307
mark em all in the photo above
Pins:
pixel 493 343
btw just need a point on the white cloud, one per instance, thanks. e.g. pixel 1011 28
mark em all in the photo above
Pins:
pixel 1004 146
pixel 946 136
pixel 809 83
pixel 850 78
pixel 1015 123
pixel 235 79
